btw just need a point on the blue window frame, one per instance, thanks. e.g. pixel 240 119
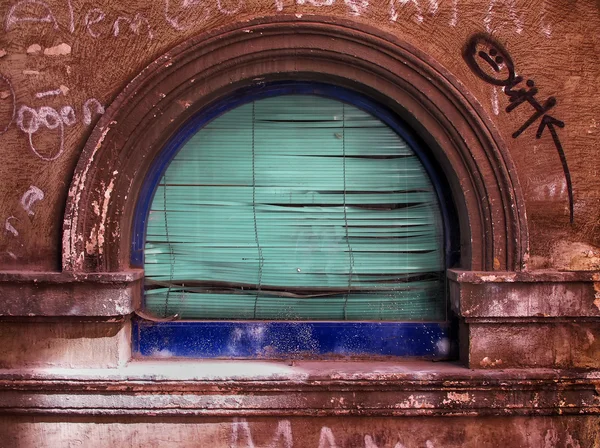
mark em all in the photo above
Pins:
pixel 235 338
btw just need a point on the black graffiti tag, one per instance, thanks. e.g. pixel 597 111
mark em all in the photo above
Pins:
pixel 491 62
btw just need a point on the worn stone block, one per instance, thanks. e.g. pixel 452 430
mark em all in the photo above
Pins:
pixel 552 345
pixel 70 344
pixel 427 432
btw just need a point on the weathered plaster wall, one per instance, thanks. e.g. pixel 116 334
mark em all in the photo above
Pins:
pixel 63 62
pixel 303 432
pixel 80 344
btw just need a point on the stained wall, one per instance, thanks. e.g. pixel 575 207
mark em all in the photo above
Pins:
pixel 63 62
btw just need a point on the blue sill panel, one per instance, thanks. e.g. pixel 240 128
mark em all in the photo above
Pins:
pixel 273 340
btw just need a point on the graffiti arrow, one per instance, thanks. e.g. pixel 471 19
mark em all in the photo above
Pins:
pixel 550 123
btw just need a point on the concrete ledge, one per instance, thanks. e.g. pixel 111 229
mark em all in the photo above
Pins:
pixel 528 319
pixel 481 277
pixel 69 294
pixel 247 388
pixel 104 431
pixel 535 294
pixel 65 342
pixel 559 345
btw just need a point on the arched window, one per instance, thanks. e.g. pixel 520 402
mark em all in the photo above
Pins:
pixel 471 171
pixel 293 220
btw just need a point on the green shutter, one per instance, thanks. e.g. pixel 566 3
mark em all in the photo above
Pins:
pixel 295 207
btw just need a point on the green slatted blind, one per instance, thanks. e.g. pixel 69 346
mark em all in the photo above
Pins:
pixel 295 207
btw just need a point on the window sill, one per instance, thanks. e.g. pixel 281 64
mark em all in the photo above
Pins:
pixel 306 388
pixel 508 320
pixel 474 295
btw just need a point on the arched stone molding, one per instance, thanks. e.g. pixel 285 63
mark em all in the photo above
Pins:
pixel 102 198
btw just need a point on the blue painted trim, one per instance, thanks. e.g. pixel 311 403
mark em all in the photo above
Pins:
pixel 277 340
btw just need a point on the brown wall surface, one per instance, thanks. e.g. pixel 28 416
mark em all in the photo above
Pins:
pixel 306 433
pixel 64 62
pixel 75 57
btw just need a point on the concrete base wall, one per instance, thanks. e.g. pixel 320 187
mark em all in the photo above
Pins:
pixel 349 432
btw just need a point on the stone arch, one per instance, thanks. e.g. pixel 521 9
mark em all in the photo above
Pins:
pixel 102 198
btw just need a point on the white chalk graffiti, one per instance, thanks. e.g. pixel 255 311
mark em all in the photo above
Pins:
pixel 67 114
pixel 36 11
pixel 48 93
pixel 369 443
pixel 87 113
pixel 357 7
pixel 315 2
pixel 30 197
pixel 172 21
pixel 135 25
pixel 512 11
pixel 30 121
pixel 240 430
pixel 433 6
pixel 9 227
pixel 495 102
pixel 326 438
pixel 184 14
pixel 92 17
pixel 71 17
pixel 185 5
pixel 229 11
pixel 44 116
pixel 546 27
pixel 454 17
pixel 14 14
pixel 394 14
pixel 571 442
pixel 241 437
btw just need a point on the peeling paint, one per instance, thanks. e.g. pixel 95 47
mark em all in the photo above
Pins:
pixel 34 48
pixel 418 402
pixel 92 242
pixel 103 217
pixel 590 339
pixel 496 263
pixel 72 259
pixel 59 50
pixel 597 295
pixel 497 278
pixel 487 362
pixel 457 397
